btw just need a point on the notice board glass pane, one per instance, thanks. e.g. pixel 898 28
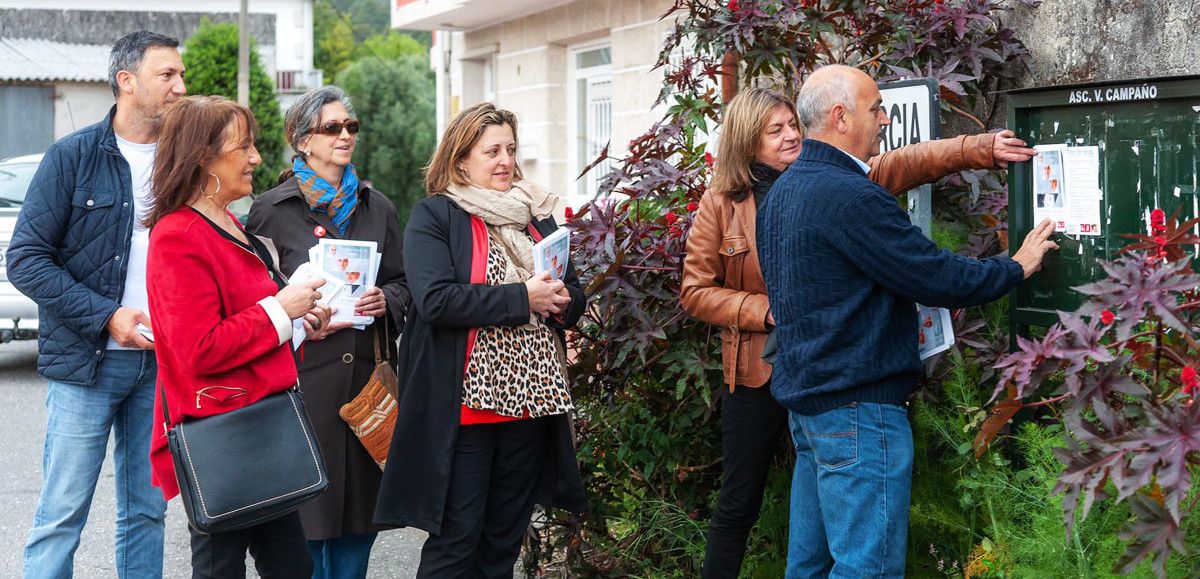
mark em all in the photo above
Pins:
pixel 1148 133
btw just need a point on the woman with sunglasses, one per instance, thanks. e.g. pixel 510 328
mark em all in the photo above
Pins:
pixel 321 196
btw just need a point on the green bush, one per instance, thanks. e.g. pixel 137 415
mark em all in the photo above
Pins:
pixel 394 100
pixel 998 516
pixel 211 58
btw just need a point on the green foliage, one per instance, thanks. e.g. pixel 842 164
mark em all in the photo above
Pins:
pixel 998 516
pixel 347 30
pixel 211 58
pixel 333 39
pixel 394 100
pixel 391 45
pixel 368 17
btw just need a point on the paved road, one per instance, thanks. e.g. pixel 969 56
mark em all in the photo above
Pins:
pixel 22 429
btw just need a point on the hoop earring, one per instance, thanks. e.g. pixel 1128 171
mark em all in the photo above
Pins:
pixel 214 193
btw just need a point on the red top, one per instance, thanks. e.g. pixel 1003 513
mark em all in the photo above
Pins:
pixel 209 329
pixel 479 254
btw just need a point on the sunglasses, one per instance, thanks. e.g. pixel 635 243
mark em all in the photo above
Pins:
pixel 334 128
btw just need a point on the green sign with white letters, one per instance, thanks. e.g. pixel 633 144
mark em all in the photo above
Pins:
pixel 1110 153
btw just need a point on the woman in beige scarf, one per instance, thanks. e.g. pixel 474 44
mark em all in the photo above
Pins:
pixel 483 430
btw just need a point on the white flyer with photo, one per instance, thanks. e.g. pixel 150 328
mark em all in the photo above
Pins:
pixel 935 331
pixel 307 271
pixel 552 252
pixel 355 263
pixel 1066 188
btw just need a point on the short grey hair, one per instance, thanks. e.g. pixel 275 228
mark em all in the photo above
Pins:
pixel 128 52
pixel 816 99
pixel 305 113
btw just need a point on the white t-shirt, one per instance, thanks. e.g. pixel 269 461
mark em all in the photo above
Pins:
pixel 141 166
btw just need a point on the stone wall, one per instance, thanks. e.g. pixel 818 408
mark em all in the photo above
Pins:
pixel 99 27
pixel 1098 40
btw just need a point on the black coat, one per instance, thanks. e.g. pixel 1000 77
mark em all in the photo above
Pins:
pixel 327 379
pixel 438 253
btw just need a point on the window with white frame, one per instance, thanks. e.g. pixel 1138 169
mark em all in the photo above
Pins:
pixel 589 117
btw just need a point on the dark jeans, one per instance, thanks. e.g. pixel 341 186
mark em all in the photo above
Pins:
pixel 345 557
pixel 490 501
pixel 752 423
pixel 277 546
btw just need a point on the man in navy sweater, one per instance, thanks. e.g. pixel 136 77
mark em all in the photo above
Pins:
pixel 843 267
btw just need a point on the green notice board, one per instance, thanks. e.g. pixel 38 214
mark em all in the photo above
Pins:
pixel 1148 136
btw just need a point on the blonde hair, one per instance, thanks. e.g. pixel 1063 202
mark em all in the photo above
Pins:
pixel 461 134
pixel 741 132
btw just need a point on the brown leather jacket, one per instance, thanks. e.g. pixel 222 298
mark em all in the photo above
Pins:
pixel 722 280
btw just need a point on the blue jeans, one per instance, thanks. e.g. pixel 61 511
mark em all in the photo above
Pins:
pixel 80 419
pixel 850 492
pixel 345 557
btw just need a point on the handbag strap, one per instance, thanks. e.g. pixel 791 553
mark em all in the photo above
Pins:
pixel 380 357
pixel 163 399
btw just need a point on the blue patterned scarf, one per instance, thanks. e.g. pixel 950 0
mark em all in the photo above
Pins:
pixel 337 202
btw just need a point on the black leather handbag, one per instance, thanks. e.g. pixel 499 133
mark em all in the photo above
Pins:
pixel 247 466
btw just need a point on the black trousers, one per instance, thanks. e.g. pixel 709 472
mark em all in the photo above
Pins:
pixel 277 546
pixel 490 501
pixel 752 423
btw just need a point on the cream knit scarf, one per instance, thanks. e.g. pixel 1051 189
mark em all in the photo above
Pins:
pixel 507 214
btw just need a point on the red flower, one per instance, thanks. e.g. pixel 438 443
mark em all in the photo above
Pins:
pixel 1107 317
pixel 1158 219
pixel 1189 378
pixel 691 207
pixel 568 213
pixel 708 159
pixel 733 5
pixel 1160 240
pixel 670 217
pixel 675 231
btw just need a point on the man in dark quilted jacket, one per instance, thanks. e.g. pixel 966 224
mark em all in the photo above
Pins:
pixel 79 251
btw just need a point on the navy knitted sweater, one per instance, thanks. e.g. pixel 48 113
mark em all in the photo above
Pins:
pixel 844 266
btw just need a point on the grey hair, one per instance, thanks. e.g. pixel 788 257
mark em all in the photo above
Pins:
pixel 816 99
pixel 128 52
pixel 305 113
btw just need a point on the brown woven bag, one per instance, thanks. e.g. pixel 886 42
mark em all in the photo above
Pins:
pixel 372 414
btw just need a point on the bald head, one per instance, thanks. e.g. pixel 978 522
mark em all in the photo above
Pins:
pixel 840 105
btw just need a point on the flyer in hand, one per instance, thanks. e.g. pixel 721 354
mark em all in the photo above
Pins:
pixel 552 252
pixel 935 331
pixel 356 263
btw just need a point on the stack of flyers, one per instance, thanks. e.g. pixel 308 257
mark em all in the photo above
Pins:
pixel 333 286
pixel 354 263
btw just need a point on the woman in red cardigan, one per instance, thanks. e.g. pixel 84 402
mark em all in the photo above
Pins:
pixel 222 317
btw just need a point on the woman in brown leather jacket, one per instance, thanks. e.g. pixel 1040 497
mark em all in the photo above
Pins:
pixel 723 284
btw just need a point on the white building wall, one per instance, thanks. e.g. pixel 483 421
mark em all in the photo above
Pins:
pixel 79 104
pixel 532 57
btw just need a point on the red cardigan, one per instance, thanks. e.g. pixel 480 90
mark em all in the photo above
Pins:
pixel 209 329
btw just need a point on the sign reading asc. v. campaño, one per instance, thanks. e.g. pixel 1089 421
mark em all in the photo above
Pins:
pixel 912 107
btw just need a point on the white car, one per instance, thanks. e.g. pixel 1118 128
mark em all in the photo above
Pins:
pixel 18 314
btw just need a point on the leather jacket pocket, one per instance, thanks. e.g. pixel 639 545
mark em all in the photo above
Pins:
pixel 734 250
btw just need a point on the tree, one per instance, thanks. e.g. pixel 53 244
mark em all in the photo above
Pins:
pixel 333 39
pixel 392 44
pixel 346 30
pixel 368 17
pixel 394 100
pixel 211 57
